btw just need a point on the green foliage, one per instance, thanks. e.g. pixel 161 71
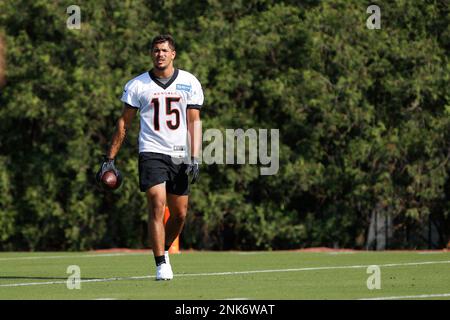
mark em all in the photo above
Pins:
pixel 364 119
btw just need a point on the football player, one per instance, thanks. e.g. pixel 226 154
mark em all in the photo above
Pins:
pixel 169 101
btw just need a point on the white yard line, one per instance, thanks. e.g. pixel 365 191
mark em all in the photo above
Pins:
pixel 93 255
pixel 420 296
pixel 24 284
pixel 229 273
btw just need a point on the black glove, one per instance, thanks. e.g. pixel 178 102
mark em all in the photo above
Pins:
pixel 107 165
pixel 193 169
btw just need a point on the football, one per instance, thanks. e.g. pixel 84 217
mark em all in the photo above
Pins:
pixel 110 180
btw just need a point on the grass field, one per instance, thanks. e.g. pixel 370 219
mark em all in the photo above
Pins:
pixel 227 275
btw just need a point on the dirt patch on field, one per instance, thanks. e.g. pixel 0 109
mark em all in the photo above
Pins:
pixel 323 249
pixel 122 250
pixel 315 249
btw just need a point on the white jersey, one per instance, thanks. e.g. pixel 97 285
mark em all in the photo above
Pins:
pixel 163 110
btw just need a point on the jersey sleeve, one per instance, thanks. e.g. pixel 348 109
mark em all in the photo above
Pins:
pixel 195 100
pixel 130 94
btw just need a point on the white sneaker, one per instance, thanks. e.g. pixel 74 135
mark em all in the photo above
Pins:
pixel 164 272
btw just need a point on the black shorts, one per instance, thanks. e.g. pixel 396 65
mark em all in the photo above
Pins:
pixel 156 168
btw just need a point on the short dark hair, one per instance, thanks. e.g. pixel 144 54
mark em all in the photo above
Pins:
pixel 163 38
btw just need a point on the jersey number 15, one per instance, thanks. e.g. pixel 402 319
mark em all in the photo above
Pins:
pixel 169 110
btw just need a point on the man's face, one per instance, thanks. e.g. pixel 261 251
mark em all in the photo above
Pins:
pixel 162 55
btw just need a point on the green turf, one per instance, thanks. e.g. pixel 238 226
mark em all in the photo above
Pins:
pixel 193 279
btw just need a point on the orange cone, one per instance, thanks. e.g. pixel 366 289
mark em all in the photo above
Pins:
pixel 175 247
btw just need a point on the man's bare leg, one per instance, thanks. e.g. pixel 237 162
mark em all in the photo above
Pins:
pixel 178 209
pixel 156 199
